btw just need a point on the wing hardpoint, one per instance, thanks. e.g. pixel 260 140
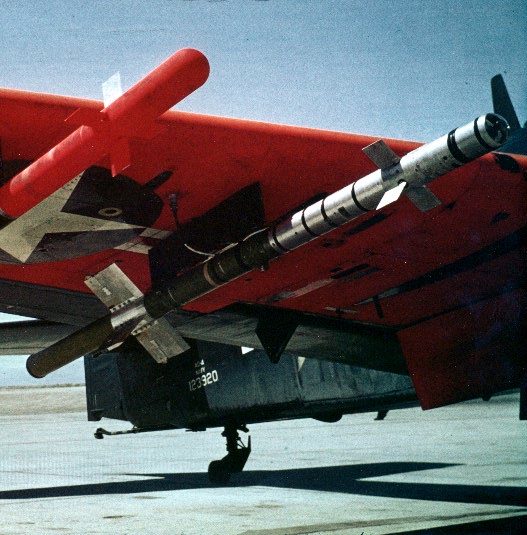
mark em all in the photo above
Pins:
pixel 194 192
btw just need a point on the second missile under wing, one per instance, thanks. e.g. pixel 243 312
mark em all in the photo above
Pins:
pixel 127 221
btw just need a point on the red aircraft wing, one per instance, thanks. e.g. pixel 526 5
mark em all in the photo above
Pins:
pixel 450 281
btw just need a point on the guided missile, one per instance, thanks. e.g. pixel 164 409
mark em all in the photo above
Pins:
pixel 142 315
pixel 104 132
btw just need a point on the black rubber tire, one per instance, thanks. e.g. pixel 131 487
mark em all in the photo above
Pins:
pixel 219 473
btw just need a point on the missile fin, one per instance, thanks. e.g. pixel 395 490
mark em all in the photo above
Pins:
pixel 422 197
pixel 161 340
pixel 113 287
pixel 391 195
pixel 111 89
pixel 118 292
pixel 381 155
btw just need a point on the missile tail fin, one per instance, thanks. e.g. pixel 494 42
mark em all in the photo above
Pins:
pixel 161 340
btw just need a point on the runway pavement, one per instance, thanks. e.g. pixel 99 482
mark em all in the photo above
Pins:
pixel 460 469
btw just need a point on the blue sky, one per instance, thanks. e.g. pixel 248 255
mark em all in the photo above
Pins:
pixel 400 68
pixel 394 68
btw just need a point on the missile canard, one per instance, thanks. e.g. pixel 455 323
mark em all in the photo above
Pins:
pixel 411 173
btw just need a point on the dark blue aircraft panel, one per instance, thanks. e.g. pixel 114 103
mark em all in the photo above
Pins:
pixel 215 385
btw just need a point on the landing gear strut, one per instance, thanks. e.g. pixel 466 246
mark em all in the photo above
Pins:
pixel 237 455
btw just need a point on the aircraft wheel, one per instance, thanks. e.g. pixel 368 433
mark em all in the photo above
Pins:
pixel 219 473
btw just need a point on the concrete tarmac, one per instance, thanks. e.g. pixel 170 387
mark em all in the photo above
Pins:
pixel 460 469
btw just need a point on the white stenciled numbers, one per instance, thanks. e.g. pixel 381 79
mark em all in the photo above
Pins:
pixel 203 380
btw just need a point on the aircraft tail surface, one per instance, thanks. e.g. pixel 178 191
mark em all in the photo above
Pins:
pixel 517 142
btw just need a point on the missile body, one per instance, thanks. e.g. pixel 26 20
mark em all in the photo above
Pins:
pixel 106 132
pixel 412 171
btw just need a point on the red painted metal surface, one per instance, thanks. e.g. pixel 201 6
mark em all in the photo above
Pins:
pixel 432 275
pixel 106 131
pixel 471 352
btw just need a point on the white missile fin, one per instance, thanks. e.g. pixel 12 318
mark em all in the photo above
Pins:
pixel 391 195
pixel 422 197
pixel 112 286
pixel 111 89
pixel 381 155
pixel 161 340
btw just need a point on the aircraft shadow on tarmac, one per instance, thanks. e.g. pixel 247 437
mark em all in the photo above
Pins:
pixel 342 479
pixel 514 525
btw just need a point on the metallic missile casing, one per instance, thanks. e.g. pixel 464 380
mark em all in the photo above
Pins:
pixel 84 341
pixel 415 169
